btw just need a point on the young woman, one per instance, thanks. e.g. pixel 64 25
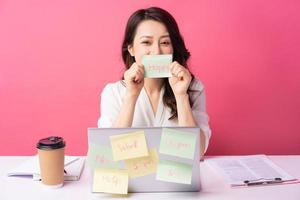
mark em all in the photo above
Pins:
pixel 136 101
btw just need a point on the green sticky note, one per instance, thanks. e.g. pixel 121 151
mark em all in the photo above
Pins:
pixel 175 172
pixel 100 156
pixel 157 66
pixel 177 143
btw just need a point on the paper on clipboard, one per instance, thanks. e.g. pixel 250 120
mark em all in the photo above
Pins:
pixel 254 169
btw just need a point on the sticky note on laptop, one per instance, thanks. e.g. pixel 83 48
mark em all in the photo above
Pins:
pixel 127 146
pixel 172 171
pixel 142 166
pixel 100 156
pixel 177 143
pixel 157 66
pixel 114 181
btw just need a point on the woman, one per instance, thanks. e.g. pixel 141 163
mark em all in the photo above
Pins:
pixel 136 101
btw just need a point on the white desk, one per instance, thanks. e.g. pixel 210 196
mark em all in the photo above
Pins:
pixel 213 186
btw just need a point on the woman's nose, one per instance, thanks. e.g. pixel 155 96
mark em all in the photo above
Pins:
pixel 155 49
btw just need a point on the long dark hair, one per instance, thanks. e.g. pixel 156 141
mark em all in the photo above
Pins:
pixel 180 52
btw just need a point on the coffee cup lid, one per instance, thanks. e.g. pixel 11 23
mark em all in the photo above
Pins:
pixel 52 142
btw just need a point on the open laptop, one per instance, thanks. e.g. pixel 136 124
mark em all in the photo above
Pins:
pixel 148 183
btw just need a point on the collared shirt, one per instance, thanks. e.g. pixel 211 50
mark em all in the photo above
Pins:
pixel 112 100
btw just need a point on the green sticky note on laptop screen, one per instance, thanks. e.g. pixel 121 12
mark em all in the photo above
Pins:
pixel 100 156
pixel 177 143
pixel 172 171
pixel 157 66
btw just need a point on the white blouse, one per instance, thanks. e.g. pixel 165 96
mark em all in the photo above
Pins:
pixel 111 102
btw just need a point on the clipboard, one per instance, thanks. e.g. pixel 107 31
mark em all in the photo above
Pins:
pixel 252 170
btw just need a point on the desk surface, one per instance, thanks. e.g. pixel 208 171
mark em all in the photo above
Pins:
pixel 213 186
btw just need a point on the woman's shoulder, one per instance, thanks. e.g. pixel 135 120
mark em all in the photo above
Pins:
pixel 196 85
pixel 114 88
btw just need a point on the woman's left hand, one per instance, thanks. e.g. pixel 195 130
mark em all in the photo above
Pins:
pixel 180 80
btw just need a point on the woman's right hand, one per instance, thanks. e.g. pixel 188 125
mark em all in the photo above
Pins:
pixel 134 79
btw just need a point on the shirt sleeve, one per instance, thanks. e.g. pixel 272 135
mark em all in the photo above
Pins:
pixel 109 106
pixel 199 112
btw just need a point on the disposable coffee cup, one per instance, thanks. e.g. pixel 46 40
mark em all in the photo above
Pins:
pixel 51 151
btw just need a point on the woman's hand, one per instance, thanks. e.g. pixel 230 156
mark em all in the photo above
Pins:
pixel 134 79
pixel 180 80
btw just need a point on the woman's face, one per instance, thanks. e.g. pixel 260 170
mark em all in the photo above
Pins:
pixel 151 38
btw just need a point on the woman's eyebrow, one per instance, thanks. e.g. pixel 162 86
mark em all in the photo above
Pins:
pixel 163 36
pixel 146 36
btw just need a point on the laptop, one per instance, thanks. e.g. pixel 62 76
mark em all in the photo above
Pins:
pixel 149 183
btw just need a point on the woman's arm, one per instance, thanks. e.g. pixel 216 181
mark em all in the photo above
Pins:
pixel 186 118
pixel 184 111
pixel 180 82
pixel 125 117
pixel 134 80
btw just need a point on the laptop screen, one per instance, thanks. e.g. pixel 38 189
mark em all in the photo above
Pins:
pixel 155 159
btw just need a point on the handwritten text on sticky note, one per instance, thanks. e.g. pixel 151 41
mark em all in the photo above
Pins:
pixel 142 166
pixel 101 156
pixel 157 66
pixel 113 181
pixel 127 146
pixel 177 143
pixel 175 172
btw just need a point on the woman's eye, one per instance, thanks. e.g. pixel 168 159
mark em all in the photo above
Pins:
pixel 165 43
pixel 145 42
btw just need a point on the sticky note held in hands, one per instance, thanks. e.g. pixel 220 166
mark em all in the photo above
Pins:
pixel 114 181
pixel 177 143
pixel 100 156
pixel 157 66
pixel 127 146
pixel 175 172
pixel 142 166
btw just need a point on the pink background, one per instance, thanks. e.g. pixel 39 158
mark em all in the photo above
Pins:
pixel 56 57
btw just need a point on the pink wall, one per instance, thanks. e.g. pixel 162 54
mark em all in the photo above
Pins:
pixel 56 56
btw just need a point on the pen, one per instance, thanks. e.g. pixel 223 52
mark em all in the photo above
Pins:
pixel 264 182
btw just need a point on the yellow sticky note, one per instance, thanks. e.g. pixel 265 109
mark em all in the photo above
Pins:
pixel 127 146
pixel 114 181
pixel 142 166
